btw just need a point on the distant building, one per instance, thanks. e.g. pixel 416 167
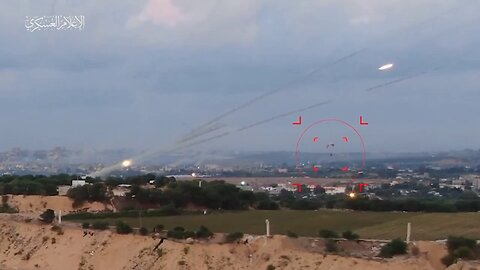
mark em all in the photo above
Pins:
pixel 78 183
pixel 334 190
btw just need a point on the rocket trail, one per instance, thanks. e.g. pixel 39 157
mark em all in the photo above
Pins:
pixel 211 126
pixel 201 130
pixel 285 86
pixel 406 78
pixel 283 115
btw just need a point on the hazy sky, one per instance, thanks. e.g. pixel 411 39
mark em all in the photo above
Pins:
pixel 143 73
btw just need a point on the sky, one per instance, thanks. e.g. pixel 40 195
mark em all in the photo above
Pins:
pixel 141 74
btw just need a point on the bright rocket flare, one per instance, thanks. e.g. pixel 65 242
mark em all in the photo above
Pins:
pixel 386 67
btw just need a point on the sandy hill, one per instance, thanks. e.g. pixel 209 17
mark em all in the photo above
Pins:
pixel 34 246
pixel 38 204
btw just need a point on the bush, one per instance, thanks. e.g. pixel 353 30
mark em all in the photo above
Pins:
pixel 448 259
pixel 291 234
pixel 349 235
pixel 232 237
pixel 177 233
pixel 327 234
pixel 395 247
pixel 454 242
pixel 270 267
pixel 463 252
pixel 143 231
pixel 188 234
pixel 204 232
pixel 331 246
pixel 123 228
pixel 100 225
pixel 85 225
pixel 48 216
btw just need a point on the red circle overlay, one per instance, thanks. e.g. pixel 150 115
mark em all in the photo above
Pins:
pixel 330 120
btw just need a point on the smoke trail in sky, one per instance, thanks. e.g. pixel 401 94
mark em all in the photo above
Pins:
pixel 212 126
pixel 406 78
pixel 190 143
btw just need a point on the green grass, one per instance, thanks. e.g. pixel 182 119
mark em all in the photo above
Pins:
pixel 378 225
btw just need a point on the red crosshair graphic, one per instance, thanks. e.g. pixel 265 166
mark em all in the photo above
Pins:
pixel 298 185
pixel 346 139
pixel 361 185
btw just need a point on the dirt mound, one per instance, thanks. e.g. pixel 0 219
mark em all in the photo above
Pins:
pixel 38 204
pixel 33 246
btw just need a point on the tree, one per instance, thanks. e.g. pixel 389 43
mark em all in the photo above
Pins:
pixel 48 216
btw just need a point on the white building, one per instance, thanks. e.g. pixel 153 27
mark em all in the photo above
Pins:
pixel 335 190
pixel 78 183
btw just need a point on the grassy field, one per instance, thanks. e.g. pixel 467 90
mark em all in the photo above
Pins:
pixel 378 225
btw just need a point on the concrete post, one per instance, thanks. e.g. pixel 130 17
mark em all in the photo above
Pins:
pixel 200 183
pixel 409 230
pixel 59 216
pixel 267 225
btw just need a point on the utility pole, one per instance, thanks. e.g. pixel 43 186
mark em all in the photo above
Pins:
pixel 267 225
pixel 409 230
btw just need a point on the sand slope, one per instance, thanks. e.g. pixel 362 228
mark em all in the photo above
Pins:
pixel 38 204
pixel 33 246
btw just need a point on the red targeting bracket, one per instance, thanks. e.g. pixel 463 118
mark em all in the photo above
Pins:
pixel 298 185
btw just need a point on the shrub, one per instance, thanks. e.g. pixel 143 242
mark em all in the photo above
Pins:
pixel 448 259
pixel 48 216
pixel 181 262
pixel 291 234
pixel 204 232
pixel 143 231
pixel 463 252
pixel 454 242
pixel 349 235
pixel 54 240
pixel 185 250
pixel 188 234
pixel 123 228
pixel 85 225
pixel 232 237
pixel 100 225
pixel 395 247
pixel 327 234
pixel 177 233
pixel 331 246
pixel 270 267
